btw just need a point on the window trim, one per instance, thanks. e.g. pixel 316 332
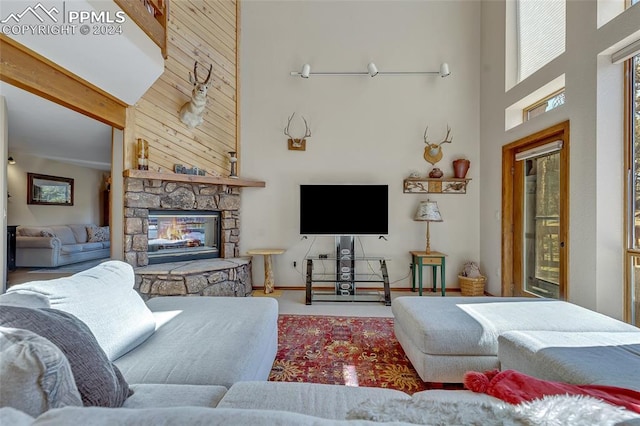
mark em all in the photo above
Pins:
pixel 510 250
pixel 629 223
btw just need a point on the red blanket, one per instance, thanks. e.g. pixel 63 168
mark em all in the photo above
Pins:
pixel 514 387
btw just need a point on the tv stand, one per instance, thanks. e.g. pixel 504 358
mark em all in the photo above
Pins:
pixel 345 265
pixel 345 278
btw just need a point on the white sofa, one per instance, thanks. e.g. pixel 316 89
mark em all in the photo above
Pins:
pixel 51 246
pixel 201 360
pixel 302 404
pixel 549 339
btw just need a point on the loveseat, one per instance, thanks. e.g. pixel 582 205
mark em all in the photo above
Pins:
pixel 57 245
pixel 195 360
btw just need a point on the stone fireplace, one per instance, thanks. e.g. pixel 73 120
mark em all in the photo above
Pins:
pixel 144 195
pixel 166 215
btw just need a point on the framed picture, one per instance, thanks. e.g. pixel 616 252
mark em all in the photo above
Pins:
pixel 49 190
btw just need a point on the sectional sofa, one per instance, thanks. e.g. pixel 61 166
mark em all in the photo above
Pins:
pixel 89 339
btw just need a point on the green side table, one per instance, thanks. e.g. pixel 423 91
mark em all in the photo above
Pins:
pixel 434 259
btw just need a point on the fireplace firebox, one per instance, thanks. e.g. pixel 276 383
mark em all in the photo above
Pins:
pixel 178 235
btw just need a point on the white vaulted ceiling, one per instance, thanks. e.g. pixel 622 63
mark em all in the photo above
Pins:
pixel 44 129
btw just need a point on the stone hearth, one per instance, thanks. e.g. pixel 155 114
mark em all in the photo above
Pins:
pixel 210 277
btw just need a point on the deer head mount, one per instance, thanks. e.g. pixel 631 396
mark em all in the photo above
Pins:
pixel 433 151
pixel 191 112
pixel 298 144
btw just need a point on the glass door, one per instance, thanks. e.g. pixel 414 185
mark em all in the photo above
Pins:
pixel 541 218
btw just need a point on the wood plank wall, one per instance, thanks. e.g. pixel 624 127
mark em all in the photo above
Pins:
pixel 204 31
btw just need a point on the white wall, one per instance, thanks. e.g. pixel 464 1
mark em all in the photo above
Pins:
pixel 87 186
pixel 364 130
pixel 594 108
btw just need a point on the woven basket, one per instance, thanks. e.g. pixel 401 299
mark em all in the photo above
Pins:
pixel 472 286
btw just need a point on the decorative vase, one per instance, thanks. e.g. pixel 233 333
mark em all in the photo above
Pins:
pixel 143 154
pixel 436 173
pixel 460 168
pixel 233 160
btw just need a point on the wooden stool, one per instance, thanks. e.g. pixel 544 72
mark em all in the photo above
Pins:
pixel 268 266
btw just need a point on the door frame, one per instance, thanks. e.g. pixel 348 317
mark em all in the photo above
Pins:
pixel 512 208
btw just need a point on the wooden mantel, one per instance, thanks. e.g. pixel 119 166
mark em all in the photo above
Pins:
pixel 178 177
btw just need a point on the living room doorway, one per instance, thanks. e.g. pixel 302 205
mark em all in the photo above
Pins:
pixel 37 75
pixel 535 207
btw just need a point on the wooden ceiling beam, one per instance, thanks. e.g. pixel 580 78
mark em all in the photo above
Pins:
pixel 26 69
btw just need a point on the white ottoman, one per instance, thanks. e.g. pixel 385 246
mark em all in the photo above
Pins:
pixel 599 358
pixel 445 337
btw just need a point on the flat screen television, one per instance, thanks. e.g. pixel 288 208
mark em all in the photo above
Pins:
pixel 344 209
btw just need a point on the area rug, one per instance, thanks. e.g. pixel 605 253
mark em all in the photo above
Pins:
pixel 351 351
pixel 71 268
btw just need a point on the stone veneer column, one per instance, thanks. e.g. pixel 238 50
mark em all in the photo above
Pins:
pixel 142 195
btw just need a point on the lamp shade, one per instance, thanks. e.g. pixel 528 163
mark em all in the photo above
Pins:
pixel 11 160
pixel 428 212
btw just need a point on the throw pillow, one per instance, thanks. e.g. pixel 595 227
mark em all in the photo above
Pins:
pixel 99 381
pixel 104 299
pixel 97 234
pixel 36 376
pixel 47 234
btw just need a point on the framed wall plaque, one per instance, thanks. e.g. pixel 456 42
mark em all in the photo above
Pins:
pixel 49 190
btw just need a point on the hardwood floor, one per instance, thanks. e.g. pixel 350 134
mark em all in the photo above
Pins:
pixel 22 275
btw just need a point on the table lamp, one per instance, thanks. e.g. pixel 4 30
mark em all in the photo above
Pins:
pixel 428 212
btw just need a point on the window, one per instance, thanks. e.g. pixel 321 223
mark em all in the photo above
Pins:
pixel 540 34
pixel 632 293
pixel 547 104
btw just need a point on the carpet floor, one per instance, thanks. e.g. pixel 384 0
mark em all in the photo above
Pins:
pixel 351 351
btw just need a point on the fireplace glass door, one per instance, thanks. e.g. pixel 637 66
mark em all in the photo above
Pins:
pixel 177 235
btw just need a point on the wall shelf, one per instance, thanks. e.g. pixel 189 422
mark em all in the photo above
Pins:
pixel 435 186
pixel 177 177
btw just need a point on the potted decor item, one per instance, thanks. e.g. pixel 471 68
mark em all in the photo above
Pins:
pixel 471 280
pixel 436 173
pixel 460 168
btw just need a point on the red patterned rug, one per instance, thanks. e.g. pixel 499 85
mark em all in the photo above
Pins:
pixel 351 351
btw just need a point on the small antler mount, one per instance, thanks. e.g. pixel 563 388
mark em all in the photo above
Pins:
pixel 297 144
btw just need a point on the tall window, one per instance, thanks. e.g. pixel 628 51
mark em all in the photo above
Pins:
pixel 540 33
pixel 633 253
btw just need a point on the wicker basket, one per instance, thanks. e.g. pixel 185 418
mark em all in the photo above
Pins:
pixel 472 286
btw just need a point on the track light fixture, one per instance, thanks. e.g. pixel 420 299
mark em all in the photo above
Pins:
pixel 444 70
pixel 306 70
pixel 372 71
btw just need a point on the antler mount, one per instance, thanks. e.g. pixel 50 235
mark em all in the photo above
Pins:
pixel 433 151
pixel 297 144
